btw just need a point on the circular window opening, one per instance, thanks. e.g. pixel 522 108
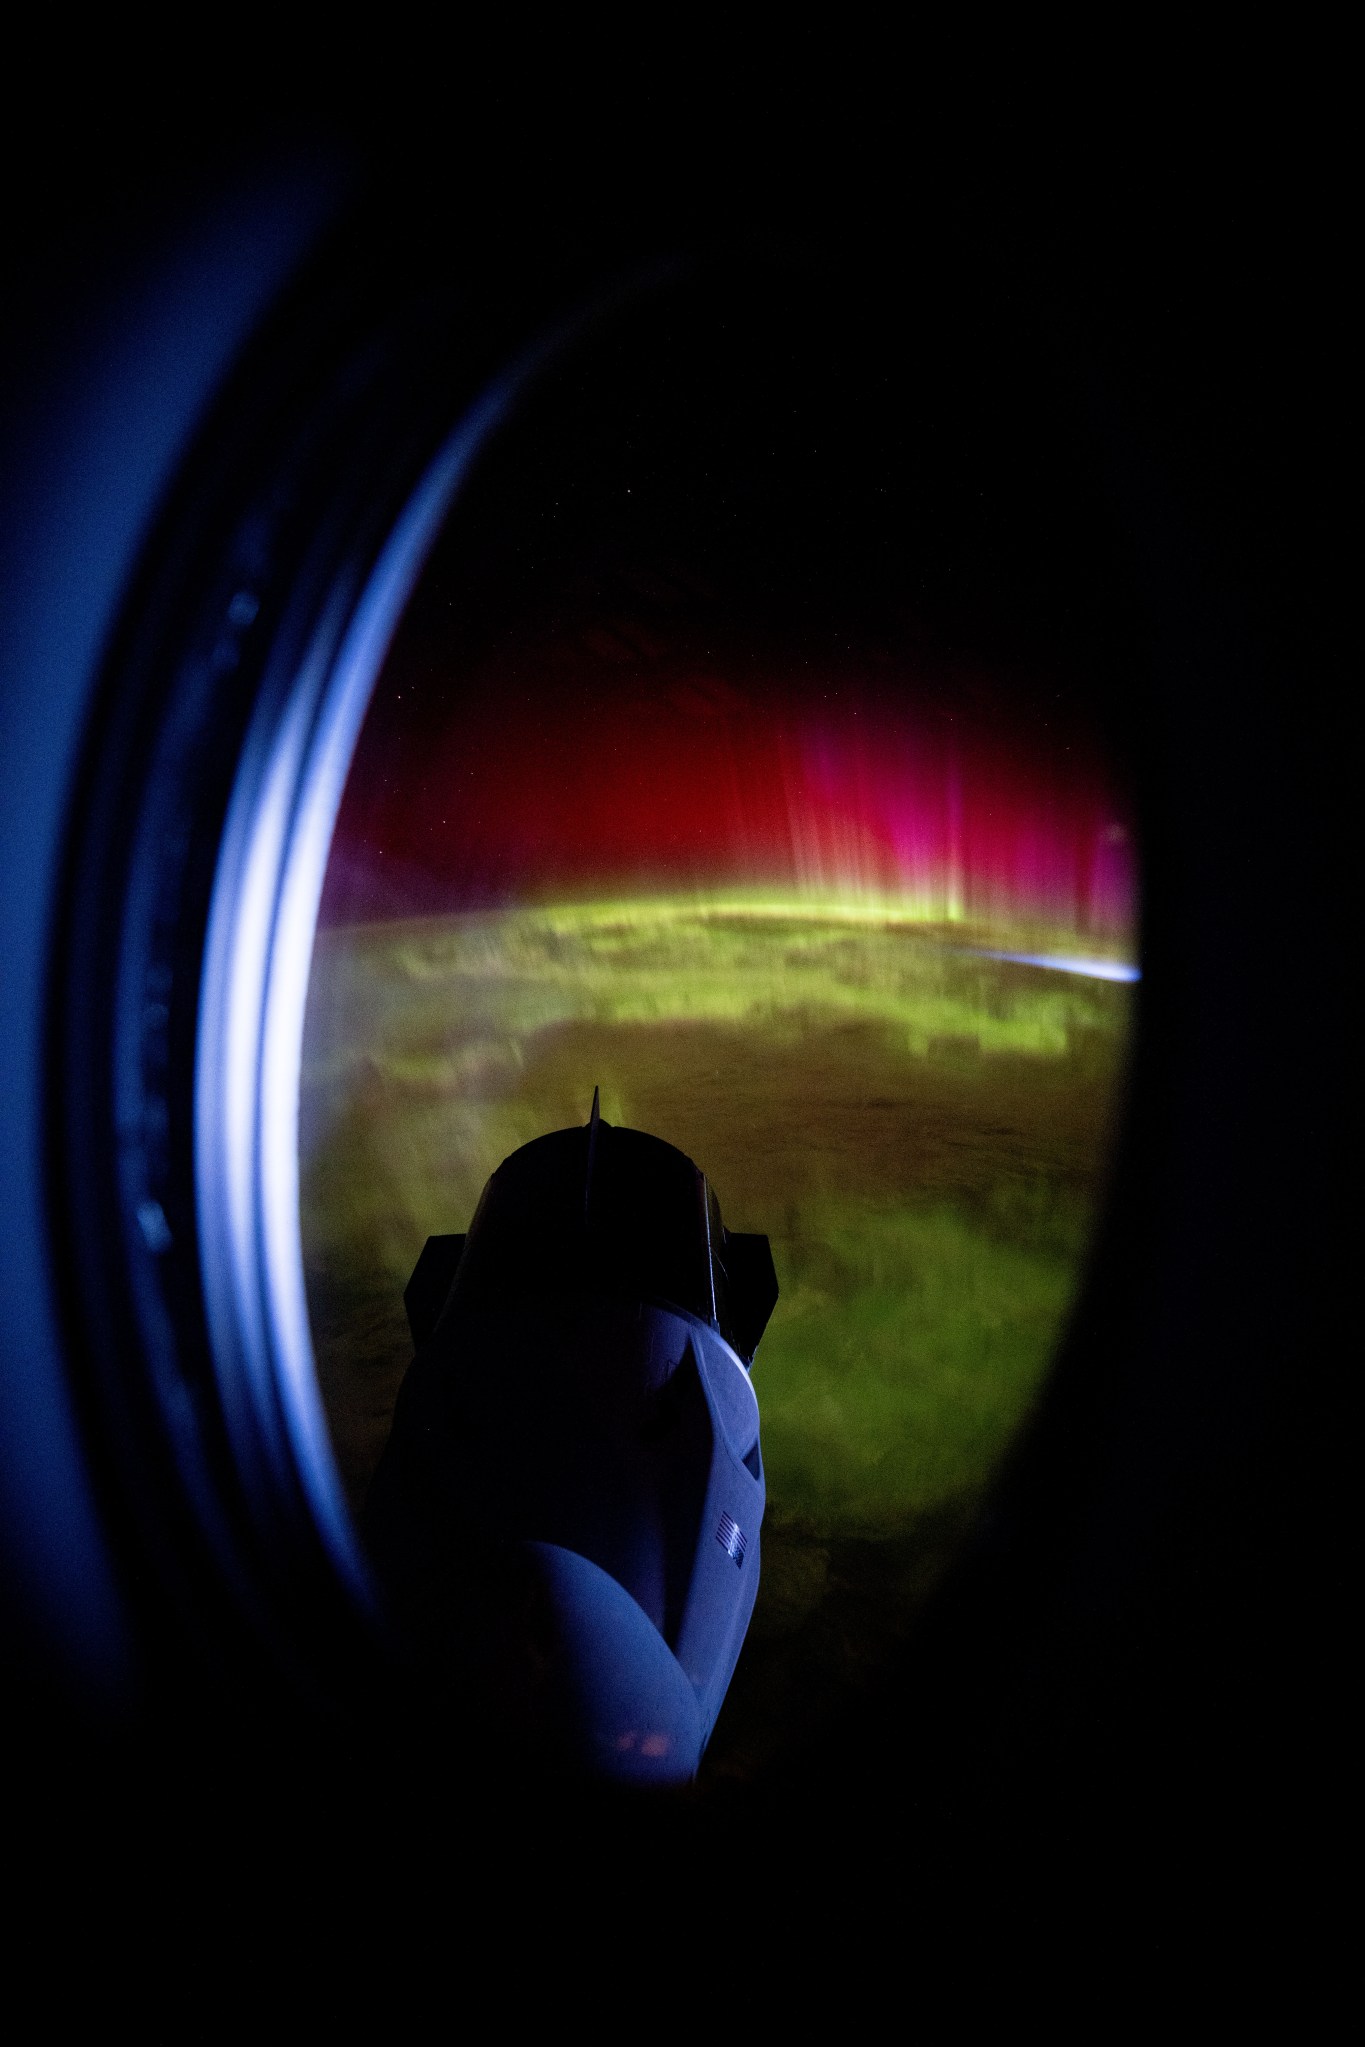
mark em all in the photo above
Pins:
pixel 746 751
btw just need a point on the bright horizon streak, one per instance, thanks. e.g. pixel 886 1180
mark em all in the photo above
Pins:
pixel 1096 970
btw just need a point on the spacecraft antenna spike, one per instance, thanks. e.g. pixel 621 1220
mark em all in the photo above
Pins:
pixel 594 1125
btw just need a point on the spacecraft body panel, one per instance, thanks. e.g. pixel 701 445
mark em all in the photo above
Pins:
pixel 576 1387
pixel 723 1580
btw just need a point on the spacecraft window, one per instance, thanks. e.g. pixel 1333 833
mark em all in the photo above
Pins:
pixel 739 750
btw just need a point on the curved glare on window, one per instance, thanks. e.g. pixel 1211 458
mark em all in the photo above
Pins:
pixel 689 777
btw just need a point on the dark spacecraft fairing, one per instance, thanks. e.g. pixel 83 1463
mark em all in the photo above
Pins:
pixel 567 1511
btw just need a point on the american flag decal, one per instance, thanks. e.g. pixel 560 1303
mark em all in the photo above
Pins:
pixel 732 1540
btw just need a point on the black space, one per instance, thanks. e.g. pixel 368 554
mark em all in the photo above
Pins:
pixel 825 465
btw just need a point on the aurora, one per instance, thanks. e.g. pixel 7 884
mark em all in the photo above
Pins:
pixel 845 797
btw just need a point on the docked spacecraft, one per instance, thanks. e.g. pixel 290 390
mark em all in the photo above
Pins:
pixel 567 1512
